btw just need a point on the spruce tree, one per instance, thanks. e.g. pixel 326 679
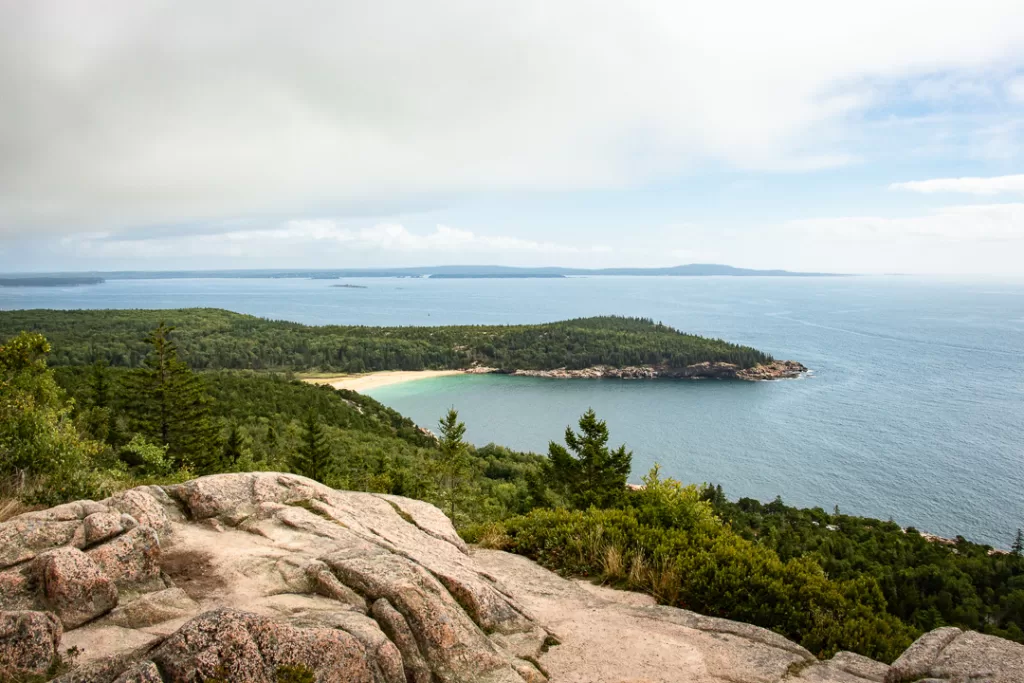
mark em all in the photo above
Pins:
pixel 234 447
pixel 99 381
pixel 588 472
pixel 1018 543
pixel 453 460
pixel 170 406
pixel 313 458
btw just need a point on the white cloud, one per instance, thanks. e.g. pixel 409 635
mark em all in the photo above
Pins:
pixel 962 224
pixel 979 186
pixel 148 112
pixel 317 241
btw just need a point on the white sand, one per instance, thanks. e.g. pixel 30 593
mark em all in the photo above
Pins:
pixel 373 380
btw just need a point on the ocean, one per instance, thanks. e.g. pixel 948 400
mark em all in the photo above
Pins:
pixel 914 410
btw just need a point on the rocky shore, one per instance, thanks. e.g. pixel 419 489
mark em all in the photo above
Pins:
pixel 266 577
pixel 780 369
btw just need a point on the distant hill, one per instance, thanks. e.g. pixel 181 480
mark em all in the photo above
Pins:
pixel 450 272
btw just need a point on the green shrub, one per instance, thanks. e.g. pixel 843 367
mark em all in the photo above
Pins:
pixel 671 546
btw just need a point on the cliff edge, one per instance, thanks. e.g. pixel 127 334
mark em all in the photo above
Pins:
pixel 269 577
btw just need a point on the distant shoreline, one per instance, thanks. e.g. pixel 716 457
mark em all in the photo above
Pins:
pixel 48 281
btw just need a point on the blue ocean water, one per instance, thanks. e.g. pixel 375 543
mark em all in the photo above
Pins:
pixel 914 411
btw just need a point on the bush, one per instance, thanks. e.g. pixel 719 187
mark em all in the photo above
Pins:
pixel 670 545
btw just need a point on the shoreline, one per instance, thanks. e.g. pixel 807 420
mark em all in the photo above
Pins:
pixel 383 378
pixel 376 380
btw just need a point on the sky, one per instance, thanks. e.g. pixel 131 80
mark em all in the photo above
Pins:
pixel 869 137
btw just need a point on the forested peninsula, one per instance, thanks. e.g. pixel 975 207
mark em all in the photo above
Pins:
pixel 215 339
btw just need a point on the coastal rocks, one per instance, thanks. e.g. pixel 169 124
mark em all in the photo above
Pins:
pixel 779 369
pixel 785 369
pixel 29 643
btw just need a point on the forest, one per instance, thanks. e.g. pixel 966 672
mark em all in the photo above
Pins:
pixel 214 339
pixel 827 580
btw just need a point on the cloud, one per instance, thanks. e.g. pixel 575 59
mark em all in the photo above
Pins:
pixel 961 224
pixel 979 186
pixel 125 114
pixel 315 241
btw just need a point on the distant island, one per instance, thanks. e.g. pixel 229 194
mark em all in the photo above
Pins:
pixel 51 281
pixel 450 272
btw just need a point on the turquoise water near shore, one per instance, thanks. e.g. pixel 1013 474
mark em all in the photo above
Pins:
pixel 915 409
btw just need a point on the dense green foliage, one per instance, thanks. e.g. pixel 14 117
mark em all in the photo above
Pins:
pixel 218 339
pixel 360 444
pixel 926 584
pixel 37 435
pixel 668 542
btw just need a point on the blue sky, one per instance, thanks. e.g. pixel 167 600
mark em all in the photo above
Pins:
pixel 877 137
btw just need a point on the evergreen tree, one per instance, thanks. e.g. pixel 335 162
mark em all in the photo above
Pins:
pixel 313 458
pixel 588 472
pixel 453 459
pixel 234 447
pixel 1018 543
pixel 169 405
pixel 99 381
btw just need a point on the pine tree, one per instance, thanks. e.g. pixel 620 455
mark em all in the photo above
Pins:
pixel 234 447
pixel 169 405
pixel 453 460
pixel 1018 543
pixel 588 472
pixel 313 458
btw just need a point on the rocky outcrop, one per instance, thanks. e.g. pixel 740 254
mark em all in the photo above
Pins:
pixel 949 654
pixel 785 369
pixel 252 577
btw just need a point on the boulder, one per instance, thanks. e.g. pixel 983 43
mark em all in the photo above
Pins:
pixel 29 643
pixel 101 526
pixel 148 505
pixel 75 586
pixel 131 560
pixel 25 536
pixel 238 646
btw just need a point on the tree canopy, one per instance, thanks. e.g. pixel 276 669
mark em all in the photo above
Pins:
pixel 217 339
